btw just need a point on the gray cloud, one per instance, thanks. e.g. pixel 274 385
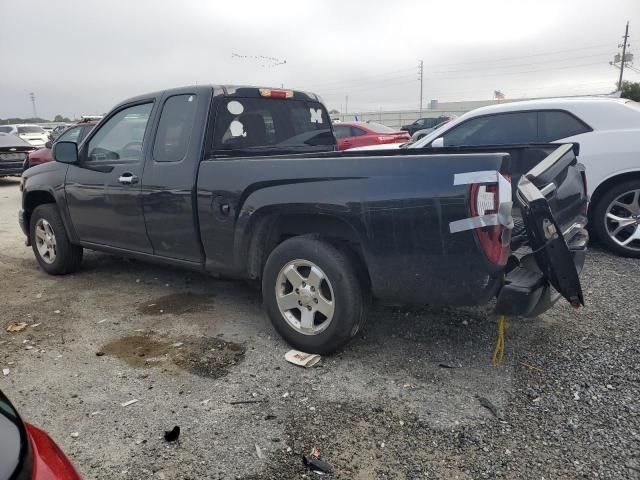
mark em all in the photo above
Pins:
pixel 83 57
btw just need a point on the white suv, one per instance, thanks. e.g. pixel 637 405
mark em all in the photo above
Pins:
pixel 33 134
pixel 608 131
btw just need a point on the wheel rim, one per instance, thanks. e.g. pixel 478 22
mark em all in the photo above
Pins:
pixel 622 220
pixel 305 297
pixel 46 241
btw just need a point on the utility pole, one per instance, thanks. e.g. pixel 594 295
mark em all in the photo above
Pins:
pixel 624 58
pixel 33 104
pixel 420 78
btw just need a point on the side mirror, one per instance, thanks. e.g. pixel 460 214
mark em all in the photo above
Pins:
pixel 48 144
pixel 438 143
pixel 65 152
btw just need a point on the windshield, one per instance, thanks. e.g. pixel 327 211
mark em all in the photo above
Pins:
pixel 31 129
pixel 259 125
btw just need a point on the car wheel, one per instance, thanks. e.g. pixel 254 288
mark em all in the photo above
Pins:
pixel 314 294
pixel 616 218
pixel 51 246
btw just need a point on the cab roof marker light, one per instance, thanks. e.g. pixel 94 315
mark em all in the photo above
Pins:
pixel 271 93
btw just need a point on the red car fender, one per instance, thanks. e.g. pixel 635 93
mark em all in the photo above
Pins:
pixel 49 462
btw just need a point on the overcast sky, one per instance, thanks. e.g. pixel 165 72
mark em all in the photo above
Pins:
pixel 82 57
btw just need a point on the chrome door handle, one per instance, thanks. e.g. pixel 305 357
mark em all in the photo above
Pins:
pixel 128 178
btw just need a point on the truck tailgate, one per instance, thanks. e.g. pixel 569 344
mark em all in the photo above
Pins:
pixel 553 202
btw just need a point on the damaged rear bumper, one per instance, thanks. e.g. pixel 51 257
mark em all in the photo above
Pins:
pixel 527 292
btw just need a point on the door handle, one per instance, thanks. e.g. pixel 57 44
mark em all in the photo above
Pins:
pixel 128 178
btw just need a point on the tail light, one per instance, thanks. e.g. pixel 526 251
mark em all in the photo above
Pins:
pixel 494 240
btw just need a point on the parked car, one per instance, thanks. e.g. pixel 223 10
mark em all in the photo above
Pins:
pixel 34 134
pixel 26 452
pixel 425 123
pixel 13 153
pixel 57 131
pixel 245 183
pixel 608 131
pixel 75 133
pixel 420 134
pixel 360 134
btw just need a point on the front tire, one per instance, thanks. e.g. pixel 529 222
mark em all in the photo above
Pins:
pixel 314 294
pixel 51 246
pixel 616 218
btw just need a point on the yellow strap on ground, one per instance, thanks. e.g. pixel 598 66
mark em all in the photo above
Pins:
pixel 498 352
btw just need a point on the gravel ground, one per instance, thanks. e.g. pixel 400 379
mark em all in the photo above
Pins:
pixel 567 398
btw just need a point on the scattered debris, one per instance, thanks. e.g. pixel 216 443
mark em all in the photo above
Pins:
pixel 6 371
pixel 102 321
pixel 316 465
pixel 302 359
pixel 177 344
pixel 204 402
pixel 34 325
pixel 39 295
pixel 56 311
pixel 532 367
pixel 99 354
pixel 75 435
pixel 172 435
pixel 29 347
pixel 448 365
pixel 93 414
pixel 259 452
pixel 130 402
pixel 239 402
pixel 17 327
pixel 486 403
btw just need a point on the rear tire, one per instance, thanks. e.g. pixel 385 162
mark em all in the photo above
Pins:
pixel 51 246
pixel 307 277
pixel 621 201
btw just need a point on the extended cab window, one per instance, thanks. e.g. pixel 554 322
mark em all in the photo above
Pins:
pixel 174 129
pixel 499 129
pixel 554 125
pixel 120 137
pixel 246 126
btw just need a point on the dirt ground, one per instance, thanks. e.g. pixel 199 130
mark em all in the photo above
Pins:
pixel 403 401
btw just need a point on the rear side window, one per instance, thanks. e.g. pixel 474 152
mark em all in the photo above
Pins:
pixel 70 135
pixel 263 125
pixel 499 129
pixel 557 124
pixel 174 129
pixel 379 128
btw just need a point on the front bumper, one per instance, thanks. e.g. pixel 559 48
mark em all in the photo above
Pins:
pixel 526 292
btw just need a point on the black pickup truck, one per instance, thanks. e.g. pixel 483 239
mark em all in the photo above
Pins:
pixel 246 183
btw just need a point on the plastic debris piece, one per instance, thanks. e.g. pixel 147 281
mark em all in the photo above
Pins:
pixel 75 435
pixel 17 327
pixel 177 344
pixel 486 403
pixel 302 359
pixel 34 325
pixel 6 371
pixel 130 402
pixel 56 311
pixel 172 435
pixel 316 465
pixel 259 452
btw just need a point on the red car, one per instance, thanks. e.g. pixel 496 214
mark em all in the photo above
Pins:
pixel 28 453
pixel 361 134
pixel 75 134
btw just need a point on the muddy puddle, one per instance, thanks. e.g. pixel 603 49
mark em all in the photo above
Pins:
pixel 176 303
pixel 206 357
